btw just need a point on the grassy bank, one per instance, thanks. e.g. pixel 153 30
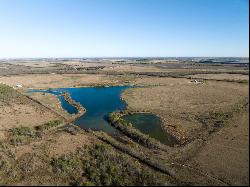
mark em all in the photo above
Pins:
pixel 122 125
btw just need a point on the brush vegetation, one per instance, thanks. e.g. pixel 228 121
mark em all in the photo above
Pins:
pixel 102 165
pixel 127 128
pixel 49 125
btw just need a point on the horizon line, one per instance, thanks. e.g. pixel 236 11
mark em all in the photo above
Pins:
pixel 77 57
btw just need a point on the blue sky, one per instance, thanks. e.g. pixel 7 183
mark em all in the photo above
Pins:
pixel 122 28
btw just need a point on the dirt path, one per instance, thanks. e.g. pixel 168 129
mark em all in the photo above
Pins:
pixel 226 154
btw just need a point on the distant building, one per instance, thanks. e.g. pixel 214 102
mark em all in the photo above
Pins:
pixel 197 81
pixel 19 86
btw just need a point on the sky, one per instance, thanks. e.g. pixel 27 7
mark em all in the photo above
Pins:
pixel 124 28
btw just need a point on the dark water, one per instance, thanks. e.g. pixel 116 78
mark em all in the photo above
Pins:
pixel 151 125
pixel 98 101
pixel 70 109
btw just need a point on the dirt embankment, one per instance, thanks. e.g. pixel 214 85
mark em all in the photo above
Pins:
pixel 81 110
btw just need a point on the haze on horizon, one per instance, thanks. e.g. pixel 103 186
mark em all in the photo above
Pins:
pixel 124 28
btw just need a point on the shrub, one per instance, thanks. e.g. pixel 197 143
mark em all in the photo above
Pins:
pixel 48 125
pixel 3 164
pixel 7 93
pixel 107 167
pixel 66 164
pixel 22 131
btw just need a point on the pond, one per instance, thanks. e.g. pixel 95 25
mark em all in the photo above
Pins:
pixel 99 102
pixel 150 124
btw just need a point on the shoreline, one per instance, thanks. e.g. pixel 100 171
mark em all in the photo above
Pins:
pixel 181 137
pixel 82 110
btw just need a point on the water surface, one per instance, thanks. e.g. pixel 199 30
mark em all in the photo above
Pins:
pixel 99 102
pixel 150 124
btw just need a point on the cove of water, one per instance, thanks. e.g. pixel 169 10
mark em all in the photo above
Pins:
pixel 65 105
pixel 150 124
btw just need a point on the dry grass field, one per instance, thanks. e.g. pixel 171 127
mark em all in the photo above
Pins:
pixel 182 104
pixel 17 110
pixel 51 80
pixel 192 111
pixel 50 101
pixel 226 153
pixel 39 146
pixel 222 76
